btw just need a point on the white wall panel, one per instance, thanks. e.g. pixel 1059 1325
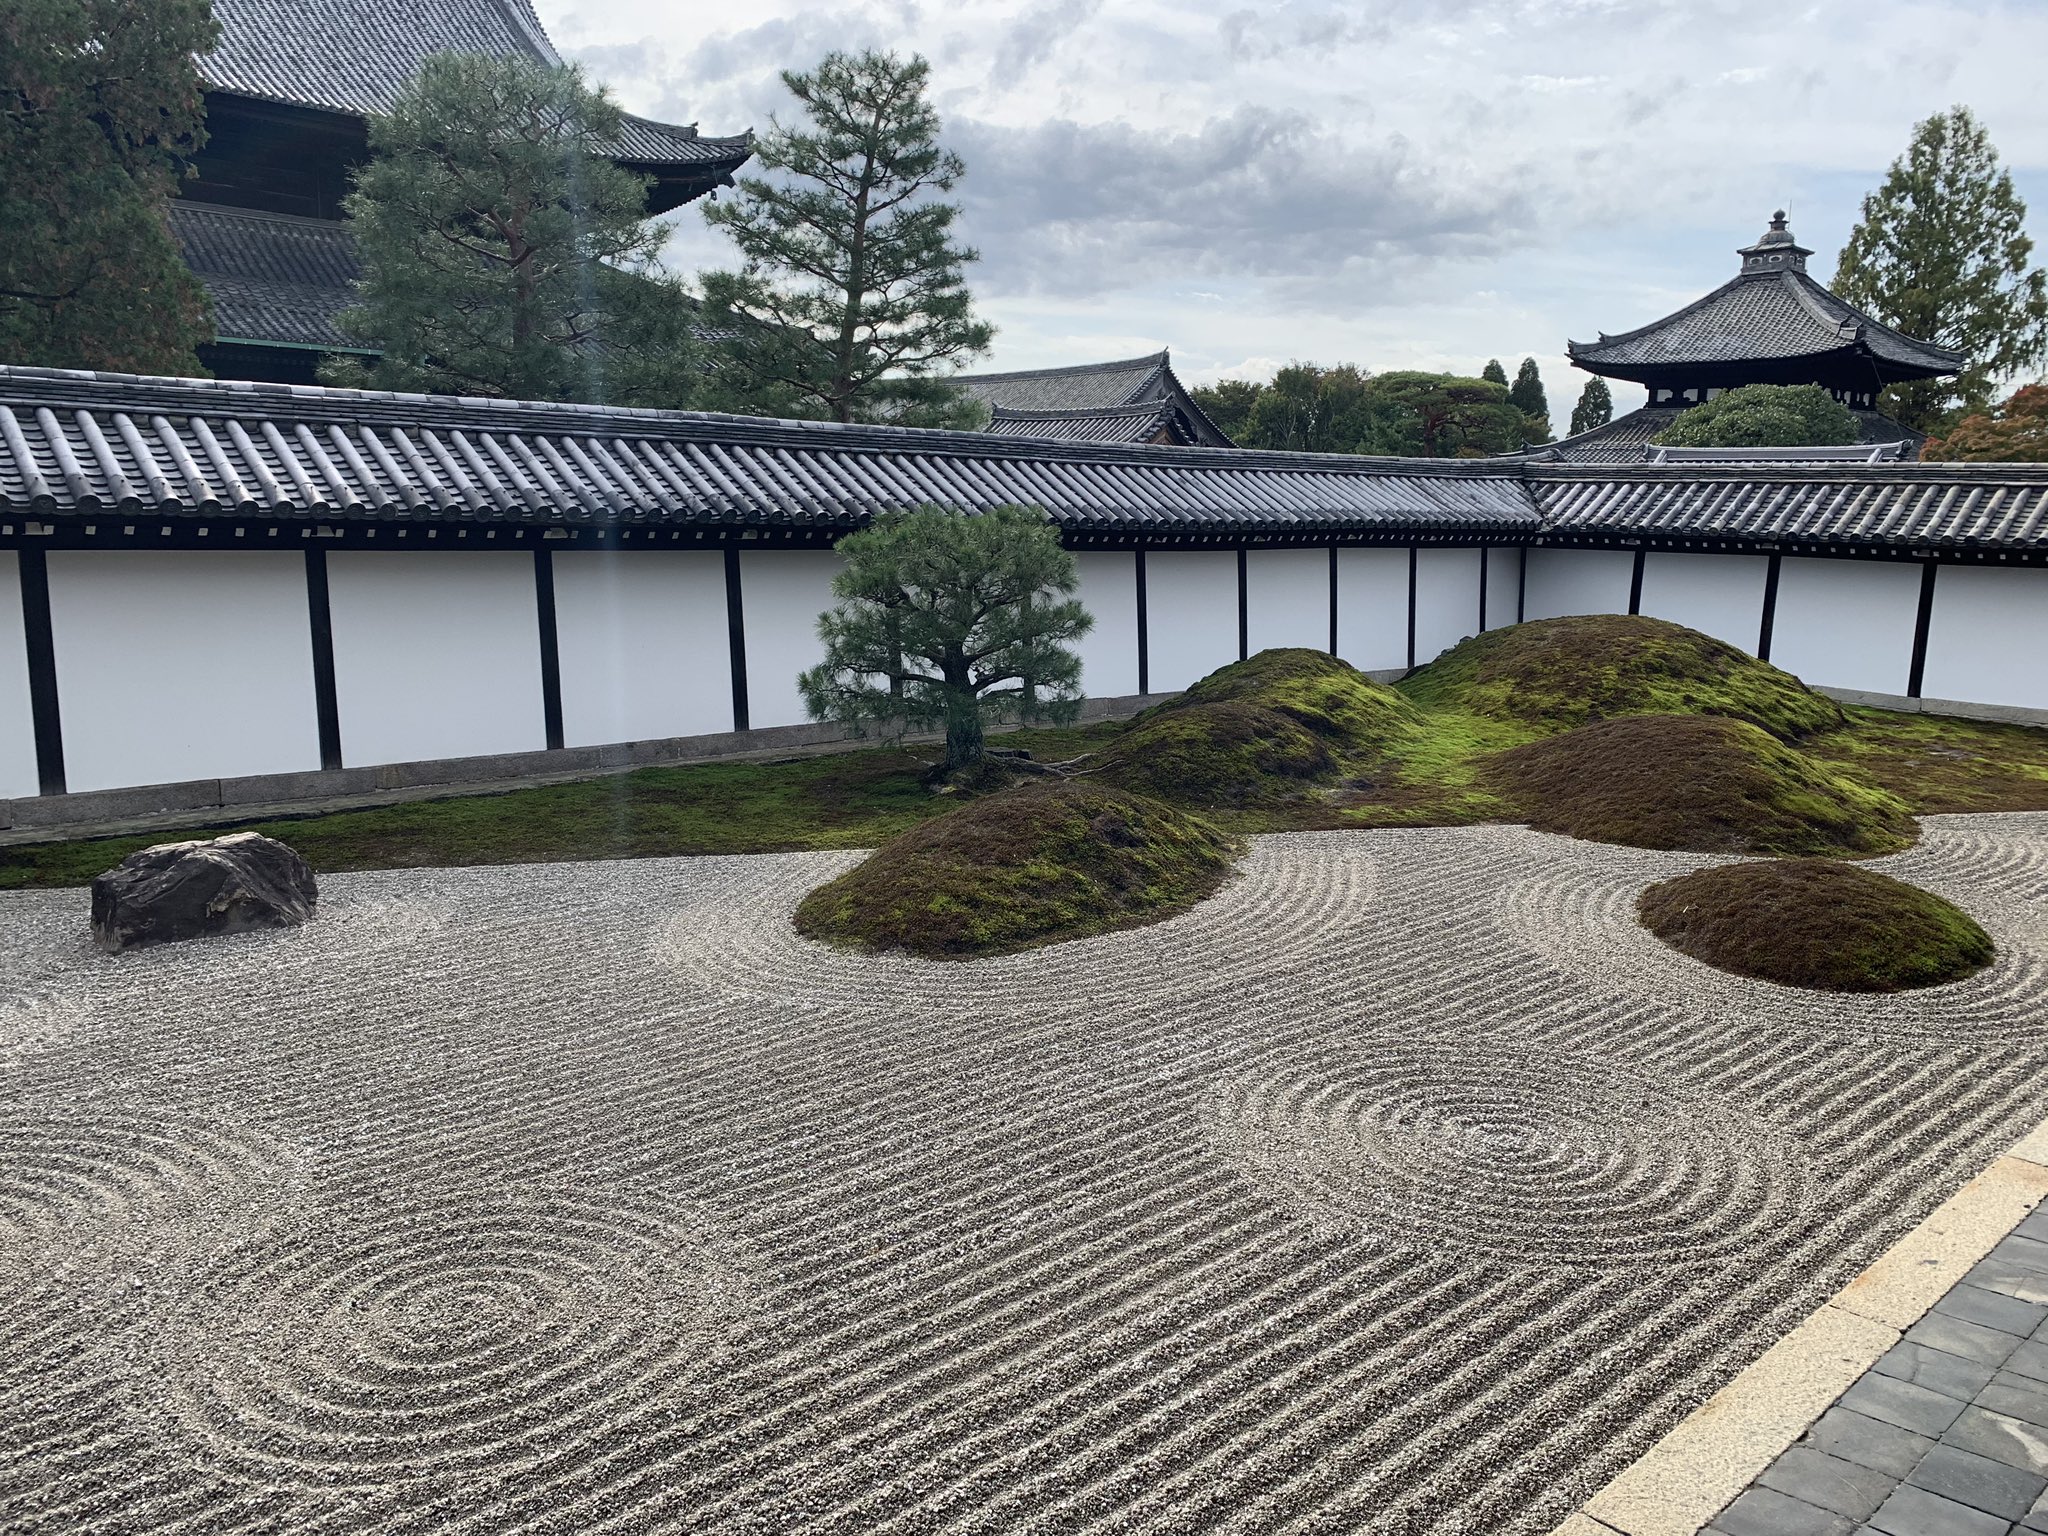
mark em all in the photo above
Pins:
pixel 435 654
pixel 182 664
pixel 782 592
pixel 1503 586
pixel 1372 608
pixel 1446 600
pixel 1987 641
pixel 644 645
pixel 1846 623
pixel 1562 582
pixel 17 724
pixel 1718 595
pixel 1287 598
pixel 1109 651
pixel 1190 615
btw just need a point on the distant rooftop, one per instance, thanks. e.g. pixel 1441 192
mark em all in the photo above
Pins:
pixel 1061 400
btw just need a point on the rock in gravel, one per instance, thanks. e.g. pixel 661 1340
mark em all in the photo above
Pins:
pixel 180 891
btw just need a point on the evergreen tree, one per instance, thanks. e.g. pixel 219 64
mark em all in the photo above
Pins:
pixel 1527 396
pixel 1595 408
pixel 101 110
pixel 1942 254
pixel 949 619
pixel 1441 415
pixel 1493 373
pixel 503 252
pixel 851 299
pixel 1765 416
pixel 1229 403
pixel 1311 409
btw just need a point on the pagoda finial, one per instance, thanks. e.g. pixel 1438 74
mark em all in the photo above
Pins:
pixel 1776 250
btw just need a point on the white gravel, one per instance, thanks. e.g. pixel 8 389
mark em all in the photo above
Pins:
pixel 1405 1186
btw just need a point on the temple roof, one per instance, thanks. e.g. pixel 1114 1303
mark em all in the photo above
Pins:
pixel 351 56
pixel 1628 438
pixel 1147 421
pixel 273 278
pixel 1060 397
pixel 1770 312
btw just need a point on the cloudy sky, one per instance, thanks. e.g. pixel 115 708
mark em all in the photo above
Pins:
pixel 1396 183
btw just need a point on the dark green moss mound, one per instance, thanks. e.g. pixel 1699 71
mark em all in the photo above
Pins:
pixel 1331 697
pixel 1025 867
pixel 1558 673
pixel 1816 923
pixel 1698 783
pixel 1221 756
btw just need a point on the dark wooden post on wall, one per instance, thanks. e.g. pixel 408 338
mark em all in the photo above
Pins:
pixel 1244 609
pixel 1333 599
pixel 326 700
pixel 1635 582
pixel 1770 618
pixel 1144 636
pixel 550 648
pixel 736 638
pixel 1921 622
pixel 1411 607
pixel 42 671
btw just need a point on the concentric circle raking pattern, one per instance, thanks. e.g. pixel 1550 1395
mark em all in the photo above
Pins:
pixel 400 1339
pixel 1530 1156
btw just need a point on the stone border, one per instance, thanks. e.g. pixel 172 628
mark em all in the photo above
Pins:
pixel 1961 709
pixel 154 807
pixel 1689 1476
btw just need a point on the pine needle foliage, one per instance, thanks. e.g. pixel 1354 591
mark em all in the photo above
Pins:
pixel 101 111
pixel 1595 408
pixel 1527 395
pixel 851 299
pixel 954 620
pixel 504 253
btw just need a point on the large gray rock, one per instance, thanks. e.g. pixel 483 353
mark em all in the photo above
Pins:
pixel 188 890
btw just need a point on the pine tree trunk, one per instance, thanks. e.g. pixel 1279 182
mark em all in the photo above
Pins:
pixel 964 741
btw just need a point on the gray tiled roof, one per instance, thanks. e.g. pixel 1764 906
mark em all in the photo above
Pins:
pixel 273 277
pixel 352 55
pixel 1761 316
pixel 1138 423
pixel 1088 386
pixel 1627 438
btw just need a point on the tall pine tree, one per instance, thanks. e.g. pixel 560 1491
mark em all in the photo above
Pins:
pixel 503 252
pixel 1942 254
pixel 851 301
pixel 1595 408
pixel 1493 373
pixel 100 112
pixel 1526 395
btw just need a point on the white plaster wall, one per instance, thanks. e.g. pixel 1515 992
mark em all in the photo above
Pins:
pixel 1503 586
pixel 782 592
pixel 17 724
pixel 182 664
pixel 1846 623
pixel 1446 600
pixel 1987 638
pixel 1287 598
pixel 1109 651
pixel 644 645
pixel 1718 595
pixel 1190 615
pixel 435 654
pixel 1372 608
pixel 1572 581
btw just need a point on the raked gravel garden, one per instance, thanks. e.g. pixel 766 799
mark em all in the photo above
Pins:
pixel 1404 1185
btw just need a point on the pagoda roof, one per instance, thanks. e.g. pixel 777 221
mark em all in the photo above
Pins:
pixel 274 279
pixel 1061 399
pixel 1770 312
pixel 352 56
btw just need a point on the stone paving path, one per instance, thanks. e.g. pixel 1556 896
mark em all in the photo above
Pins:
pixel 1947 1435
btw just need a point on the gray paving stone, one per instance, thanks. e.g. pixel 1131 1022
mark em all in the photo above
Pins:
pixel 1979 1482
pixel 1829 1482
pixel 2023 1251
pixel 1992 1309
pixel 2037 1517
pixel 1973 1341
pixel 1920 1409
pixel 1867 1442
pixel 2002 1439
pixel 1916 1512
pixel 2030 1360
pixel 1764 1512
pixel 2009 1278
pixel 2017 1397
pixel 1936 1369
pixel 2035 1226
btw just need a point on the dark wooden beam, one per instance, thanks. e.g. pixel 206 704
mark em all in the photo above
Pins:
pixel 736 638
pixel 44 714
pixel 550 648
pixel 326 700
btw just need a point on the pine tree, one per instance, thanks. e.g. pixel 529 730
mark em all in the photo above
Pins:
pixel 101 110
pixel 1765 416
pixel 1595 408
pixel 1942 254
pixel 1526 395
pixel 1493 373
pixel 851 299
pixel 504 253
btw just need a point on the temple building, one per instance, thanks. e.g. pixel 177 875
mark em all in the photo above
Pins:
pixel 1769 324
pixel 289 90
pixel 1137 400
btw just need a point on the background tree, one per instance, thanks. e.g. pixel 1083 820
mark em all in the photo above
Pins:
pixel 1765 416
pixel 950 619
pixel 503 252
pixel 1942 254
pixel 1595 408
pixel 1309 409
pixel 2015 432
pixel 1229 403
pixel 851 298
pixel 1526 395
pixel 101 110
pixel 1493 373
pixel 1441 415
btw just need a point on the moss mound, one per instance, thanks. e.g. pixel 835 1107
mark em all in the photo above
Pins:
pixel 1699 783
pixel 1330 697
pixel 1555 674
pixel 1025 867
pixel 1816 923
